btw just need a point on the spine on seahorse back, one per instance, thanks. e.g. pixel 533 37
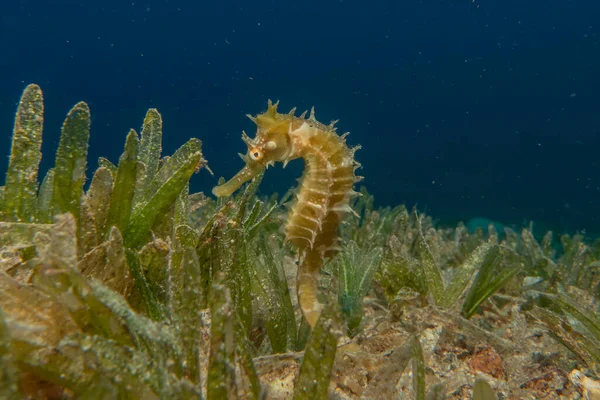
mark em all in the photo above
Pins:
pixel 325 191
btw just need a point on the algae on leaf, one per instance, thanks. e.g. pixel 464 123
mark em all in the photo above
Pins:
pixel 181 215
pixel 499 266
pixel 9 374
pixel 578 328
pixel 170 166
pixel 418 367
pixel 463 276
pixel 44 214
pixel 150 300
pixel 98 200
pixel 20 199
pixel 146 214
pixel 483 391
pixel 244 354
pixel 274 294
pixel 185 294
pixel 221 371
pixel 121 202
pixel 1 202
pixel 355 269
pixel 69 169
pixel 429 268
pixel 17 233
pixel 587 318
pixel 106 163
pixel 149 153
pixel 315 373
pixel 156 258
pixel 232 252
pixel 107 263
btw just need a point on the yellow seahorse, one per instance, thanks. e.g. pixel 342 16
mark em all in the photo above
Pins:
pixel 325 190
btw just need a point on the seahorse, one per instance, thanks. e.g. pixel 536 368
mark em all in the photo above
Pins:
pixel 323 199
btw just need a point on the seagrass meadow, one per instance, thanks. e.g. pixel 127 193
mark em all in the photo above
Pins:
pixel 130 287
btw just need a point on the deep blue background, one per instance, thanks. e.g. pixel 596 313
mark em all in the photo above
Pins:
pixel 466 108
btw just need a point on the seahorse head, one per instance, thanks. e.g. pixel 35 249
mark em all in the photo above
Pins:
pixel 271 144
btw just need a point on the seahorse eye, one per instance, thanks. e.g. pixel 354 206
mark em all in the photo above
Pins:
pixel 256 154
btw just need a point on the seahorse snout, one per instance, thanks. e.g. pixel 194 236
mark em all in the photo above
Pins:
pixel 245 174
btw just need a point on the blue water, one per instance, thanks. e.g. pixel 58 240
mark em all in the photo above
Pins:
pixel 485 108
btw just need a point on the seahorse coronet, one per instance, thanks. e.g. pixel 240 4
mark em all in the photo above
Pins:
pixel 326 187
